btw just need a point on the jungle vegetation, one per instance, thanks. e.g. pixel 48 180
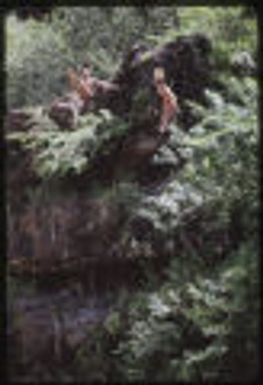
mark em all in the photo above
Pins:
pixel 193 314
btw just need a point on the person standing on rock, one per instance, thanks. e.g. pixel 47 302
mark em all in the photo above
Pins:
pixel 169 99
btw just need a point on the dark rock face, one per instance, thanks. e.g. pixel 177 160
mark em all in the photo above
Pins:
pixel 186 63
pixel 45 329
pixel 187 66
pixel 20 176
pixel 63 234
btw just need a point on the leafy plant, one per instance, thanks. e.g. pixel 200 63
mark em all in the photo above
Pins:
pixel 59 152
pixel 193 330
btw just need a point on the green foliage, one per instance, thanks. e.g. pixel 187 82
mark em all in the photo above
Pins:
pixel 166 211
pixel 194 331
pixel 36 60
pixel 223 25
pixel 221 157
pixel 102 33
pixel 202 324
pixel 220 149
pixel 57 153
pixel 37 51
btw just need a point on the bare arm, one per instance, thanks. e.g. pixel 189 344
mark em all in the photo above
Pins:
pixel 169 105
pixel 84 89
pixel 168 97
pixel 105 85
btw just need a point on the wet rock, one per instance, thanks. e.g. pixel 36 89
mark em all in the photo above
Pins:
pixel 46 328
pixel 61 235
pixel 138 148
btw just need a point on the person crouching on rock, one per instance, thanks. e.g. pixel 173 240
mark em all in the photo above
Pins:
pixel 168 98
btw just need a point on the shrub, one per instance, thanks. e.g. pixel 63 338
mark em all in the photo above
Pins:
pixel 195 331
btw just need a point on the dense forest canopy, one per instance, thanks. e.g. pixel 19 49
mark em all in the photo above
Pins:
pixel 183 219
